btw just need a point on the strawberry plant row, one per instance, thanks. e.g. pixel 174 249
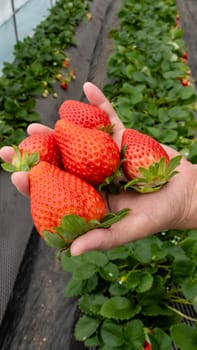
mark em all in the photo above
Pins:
pixel 152 86
pixel 137 296
pixel 39 62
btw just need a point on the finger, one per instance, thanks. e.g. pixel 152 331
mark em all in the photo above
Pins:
pixel 120 233
pixel 21 181
pixel 36 128
pixel 7 153
pixel 97 98
pixel 171 152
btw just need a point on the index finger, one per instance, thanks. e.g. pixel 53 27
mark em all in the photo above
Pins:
pixel 96 97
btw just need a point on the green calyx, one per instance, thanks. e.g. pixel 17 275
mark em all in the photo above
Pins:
pixel 72 226
pixel 155 177
pixel 21 161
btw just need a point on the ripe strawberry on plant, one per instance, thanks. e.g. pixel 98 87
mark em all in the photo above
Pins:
pixel 90 154
pixel 64 85
pixel 147 346
pixel 146 164
pixel 84 114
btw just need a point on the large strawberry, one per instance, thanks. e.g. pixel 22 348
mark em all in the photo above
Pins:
pixel 84 114
pixel 55 193
pixel 146 163
pixel 64 206
pixel 88 153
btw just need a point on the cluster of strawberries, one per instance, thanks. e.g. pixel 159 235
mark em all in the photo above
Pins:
pixel 68 166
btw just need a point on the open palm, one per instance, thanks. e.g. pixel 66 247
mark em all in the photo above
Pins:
pixel 173 206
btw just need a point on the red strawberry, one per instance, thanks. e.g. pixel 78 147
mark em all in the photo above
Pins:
pixel 88 153
pixel 84 114
pixel 185 55
pixel 44 144
pixel 64 85
pixel 146 162
pixel 34 148
pixel 147 346
pixel 185 82
pixel 55 193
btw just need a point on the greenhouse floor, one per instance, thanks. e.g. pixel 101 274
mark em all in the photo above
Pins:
pixel 35 313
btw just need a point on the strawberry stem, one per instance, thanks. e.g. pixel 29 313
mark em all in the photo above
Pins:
pixel 155 177
pixel 72 226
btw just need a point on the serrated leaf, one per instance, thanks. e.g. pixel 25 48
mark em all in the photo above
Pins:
pixel 134 333
pixel 92 342
pixel 121 252
pixel 189 287
pixel 117 288
pixel 184 336
pixel 146 282
pixel 109 272
pixel 73 288
pixel 86 327
pixel 112 334
pixel 163 340
pixel 96 257
pixel 85 271
pixel 91 304
pixel 53 240
pixel 71 226
pixel 119 308
pixel 142 250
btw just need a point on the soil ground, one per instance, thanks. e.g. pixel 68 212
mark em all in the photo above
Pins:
pixel 37 316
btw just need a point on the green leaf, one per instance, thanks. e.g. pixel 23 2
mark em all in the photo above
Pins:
pixel 169 136
pixel 92 342
pixel 117 289
pixel 163 340
pixel 91 304
pixel 187 93
pixel 142 250
pixel 146 282
pixel 184 336
pixel 134 333
pixel 86 327
pixel 71 226
pixel 112 334
pixel 95 257
pixel 111 218
pixel 85 271
pixel 119 308
pixel 74 288
pixel 80 268
pixel 121 252
pixel 109 272
pixel 189 287
pixel 53 240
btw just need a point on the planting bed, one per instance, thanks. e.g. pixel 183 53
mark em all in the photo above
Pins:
pixel 39 316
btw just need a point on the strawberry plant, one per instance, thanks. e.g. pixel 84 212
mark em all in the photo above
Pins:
pixel 39 62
